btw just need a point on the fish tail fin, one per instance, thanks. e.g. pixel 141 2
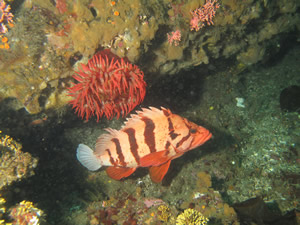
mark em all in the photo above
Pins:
pixel 87 158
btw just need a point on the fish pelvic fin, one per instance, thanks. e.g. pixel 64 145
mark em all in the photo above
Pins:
pixel 87 158
pixel 157 173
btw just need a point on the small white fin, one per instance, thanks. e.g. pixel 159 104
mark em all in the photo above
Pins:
pixel 87 158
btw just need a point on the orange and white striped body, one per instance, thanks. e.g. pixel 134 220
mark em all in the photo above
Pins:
pixel 151 138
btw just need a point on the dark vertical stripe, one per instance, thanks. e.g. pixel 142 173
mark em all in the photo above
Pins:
pixel 112 161
pixel 119 151
pixel 166 112
pixel 167 145
pixel 183 140
pixel 187 136
pixel 171 127
pixel 172 133
pixel 133 144
pixel 187 124
pixel 149 134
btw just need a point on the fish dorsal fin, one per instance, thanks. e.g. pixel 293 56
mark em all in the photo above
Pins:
pixel 154 159
pixel 117 173
pixel 104 139
pixel 152 113
pixel 157 173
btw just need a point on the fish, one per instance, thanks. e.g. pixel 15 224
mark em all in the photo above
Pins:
pixel 150 138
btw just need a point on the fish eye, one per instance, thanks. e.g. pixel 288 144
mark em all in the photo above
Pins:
pixel 193 131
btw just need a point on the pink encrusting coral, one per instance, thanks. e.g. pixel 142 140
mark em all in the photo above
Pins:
pixel 204 15
pixel 107 86
pixel 6 17
pixel 61 6
pixel 174 37
pixel 153 202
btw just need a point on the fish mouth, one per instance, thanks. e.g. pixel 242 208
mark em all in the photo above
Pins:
pixel 202 136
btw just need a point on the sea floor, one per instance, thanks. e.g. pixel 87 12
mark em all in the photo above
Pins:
pixel 254 152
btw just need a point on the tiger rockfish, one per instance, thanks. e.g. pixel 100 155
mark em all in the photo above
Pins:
pixel 151 138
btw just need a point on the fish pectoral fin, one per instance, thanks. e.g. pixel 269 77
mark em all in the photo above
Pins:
pixel 157 173
pixel 154 159
pixel 117 173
